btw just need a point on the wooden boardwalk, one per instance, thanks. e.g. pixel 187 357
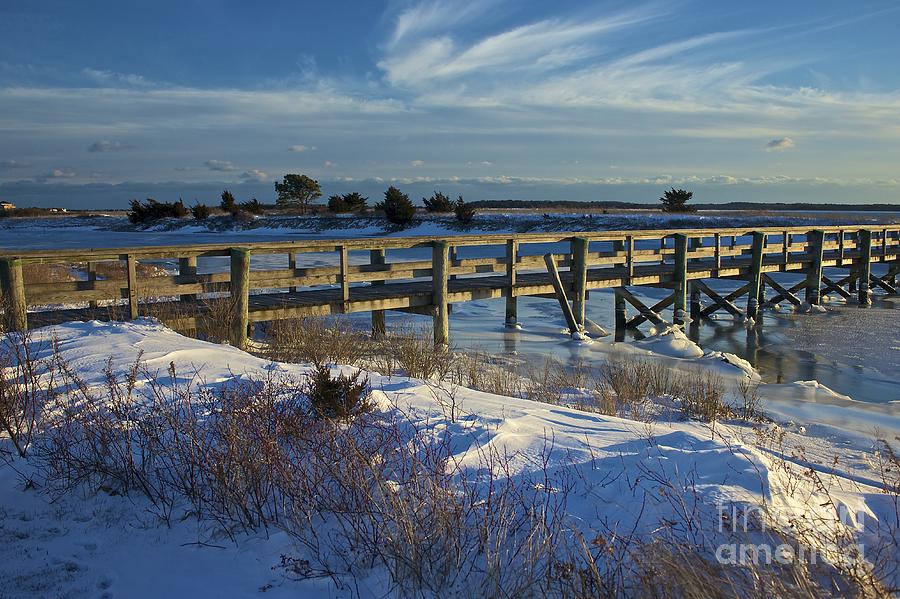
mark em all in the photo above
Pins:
pixel 679 260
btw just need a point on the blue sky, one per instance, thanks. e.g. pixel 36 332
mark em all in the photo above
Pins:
pixel 103 101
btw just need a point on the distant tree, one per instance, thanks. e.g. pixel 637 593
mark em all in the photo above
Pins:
pixel 200 211
pixel 297 191
pixel 675 200
pixel 465 212
pixel 228 203
pixel 397 207
pixel 355 201
pixel 151 210
pixel 253 206
pixel 336 203
pixel 438 203
pixel 179 210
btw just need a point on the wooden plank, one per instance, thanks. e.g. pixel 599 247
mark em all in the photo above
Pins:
pixel 655 308
pixel 837 286
pixel 728 298
pixel 560 293
pixel 646 312
pixel 883 284
pixel 782 293
pixel 719 301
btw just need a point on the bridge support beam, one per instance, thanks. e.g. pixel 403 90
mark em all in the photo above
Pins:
pixel 756 259
pixel 864 265
pixel 440 269
pixel 512 256
pixel 378 326
pixel 579 279
pixel 240 296
pixel 815 246
pixel 696 306
pixel 12 294
pixel 680 278
pixel 561 293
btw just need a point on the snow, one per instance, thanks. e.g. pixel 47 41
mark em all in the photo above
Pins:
pixel 102 545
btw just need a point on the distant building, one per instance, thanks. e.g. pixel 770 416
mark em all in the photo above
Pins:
pixel 7 206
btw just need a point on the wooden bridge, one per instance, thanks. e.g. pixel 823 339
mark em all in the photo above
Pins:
pixel 678 260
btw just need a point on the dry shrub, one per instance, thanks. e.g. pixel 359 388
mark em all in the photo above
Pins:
pixel 26 387
pixel 413 352
pixel 314 340
pixel 701 395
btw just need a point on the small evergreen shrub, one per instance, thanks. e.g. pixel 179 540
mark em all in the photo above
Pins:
pixel 397 207
pixel 200 211
pixel 338 398
pixel 438 203
pixel 465 212
pixel 228 203
pixel 253 206
pixel 151 210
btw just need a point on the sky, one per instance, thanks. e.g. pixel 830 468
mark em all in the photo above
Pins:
pixel 101 102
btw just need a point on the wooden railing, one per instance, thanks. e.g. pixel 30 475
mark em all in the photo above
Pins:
pixel 731 252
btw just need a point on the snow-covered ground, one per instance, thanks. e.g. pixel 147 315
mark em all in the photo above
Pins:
pixel 624 476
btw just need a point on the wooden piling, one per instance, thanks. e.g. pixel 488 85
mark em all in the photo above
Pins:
pixel 131 270
pixel 12 293
pixel 345 276
pixel 92 279
pixel 440 268
pixel 561 293
pixel 755 274
pixel 815 243
pixel 696 306
pixel 240 296
pixel 579 282
pixel 512 255
pixel 679 277
pixel 378 325
pixel 864 267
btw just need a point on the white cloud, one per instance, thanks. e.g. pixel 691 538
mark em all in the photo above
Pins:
pixel 254 175
pixel 220 165
pixel 426 17
pixel 301 148
pixel 111 78
pixel 780 145
pixel 329 164
pixel 417 163
pixel 57 173
pixel 105 145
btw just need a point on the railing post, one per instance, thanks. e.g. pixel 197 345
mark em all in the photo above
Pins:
pixel 679 277
pixel 629 259
pixel 345 277
pixel 785 250
pixel 92 279
pixel 12 292
pixel 131 276
pixel 292 265
pixel 579 247
pixel 440 267
pixel 378 326
pixel 240 296
pixel 864 268
pixel 187 267
pixel 815 244
pixel 718 255
pixel 512 257
pixel 756 260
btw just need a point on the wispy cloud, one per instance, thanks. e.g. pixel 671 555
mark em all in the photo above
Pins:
pixel 13 164
pixel 255 175
pixel 113 79
pixel 779 145
pixel 105 145
pixel 220 165
pixel 56 174
pixel 301 148
pixel 416 163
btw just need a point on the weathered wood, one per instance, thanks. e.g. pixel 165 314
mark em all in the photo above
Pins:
pixel 345 273
pixel 696 306
pixel 815 244
pixel 680 277
pixel 629 259
pixel 719 301
pixel 782 293
pixel 621 315
pixel 646 312
pixel 883 284
pixel 440 267
pixel 718 255
pixel 187 267
pixel 512 258
pixel 292 266
pixel 560 293
pixel 240 296
pixel 728 298
pixel 837 287
pixel 12 294
pixel 864 266
pixel 131 277
pixel 92 279
pixel 756 259
pixel 655 309
pixel 579 279
pixel 377 258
